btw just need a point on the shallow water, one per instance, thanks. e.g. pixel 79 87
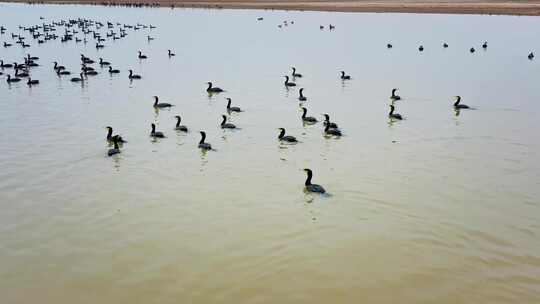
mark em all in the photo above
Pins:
pixel 437 208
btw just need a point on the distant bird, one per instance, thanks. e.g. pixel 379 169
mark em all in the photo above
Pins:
pixel 58 67
pixel 328 123
pixel 91 73
pixel 112 71
pixel 14 79
pixel 7 44
pixel 115 150
pixel 445 45
pixel 101 62
pixel 294 74
pixel 345 77
pixel 472 50
pixel 232 109
pixel 77 79
pixel 203 145
pixel 162 104
pixel 307 119
pixel 531 55
pixel 394 115
pixel 287 138
pixel 288 83
pixel 111 137
pixel 321 27
pixel 133 76
pixel 225 125
pixel 212 89
pixel 331 27
pixel 141 56
pixel 309 187
pixel 484 46
pixel 389 46
pixel 32 82
pixel 301 97
pixel 421 48
pixel 178 126
pixel 5 65
pixel 155 133
pixel 149 38
pixel 171 54
pixel 331 131
pixel 21 74
pixel 457 104
pixel 394 96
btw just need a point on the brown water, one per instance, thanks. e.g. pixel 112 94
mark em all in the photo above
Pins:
pixel 437 208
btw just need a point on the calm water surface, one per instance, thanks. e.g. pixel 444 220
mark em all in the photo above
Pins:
pixel 437 208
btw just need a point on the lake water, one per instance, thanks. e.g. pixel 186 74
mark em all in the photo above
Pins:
pixel 436 208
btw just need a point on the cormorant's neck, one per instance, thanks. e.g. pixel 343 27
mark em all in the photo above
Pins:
pixel 301 93
pixel 109 133
pixel 177 122
pixel 203 137
pixel 224 120
pixel 304 113
pixel 457 102
pixel 209 86
pixel 281 134
pixel 116 144
pixel 228 103
pixel 153 129
pixel 391 110
pixel 308 179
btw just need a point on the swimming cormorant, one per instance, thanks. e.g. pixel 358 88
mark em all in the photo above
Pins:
pixel 212 89
pixel 392 115
pixel 115 150
pixel 345 77
pixel 294 74
pixel 312 187
pixel 77 79
pixel 133 76
pixel 394 96
pixel 301 97
pixel 308 119
pixel 232 109
pixel 225 125
pixel 161 104
pixel 203 145
pixel 457 104
pixel 178 126
pixel 331 131
pixel 112 71
pixel 287 83
pixel 286 138
pixel 327 122
pixel 155 133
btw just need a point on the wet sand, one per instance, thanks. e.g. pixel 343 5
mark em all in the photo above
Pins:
pixel 525 7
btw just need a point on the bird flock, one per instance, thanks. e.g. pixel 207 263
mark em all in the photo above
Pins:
pixel 85 31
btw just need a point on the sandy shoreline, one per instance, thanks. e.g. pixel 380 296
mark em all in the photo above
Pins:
pixel 524 7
